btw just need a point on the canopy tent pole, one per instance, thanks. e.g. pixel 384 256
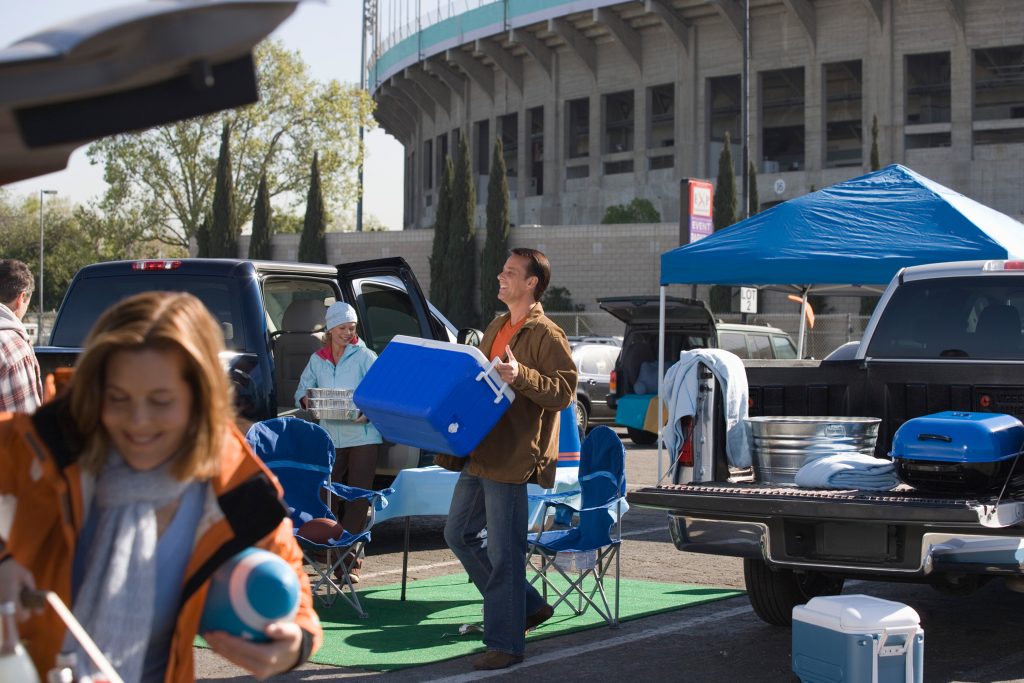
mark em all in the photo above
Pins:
pixel 661 370
pixel 803 324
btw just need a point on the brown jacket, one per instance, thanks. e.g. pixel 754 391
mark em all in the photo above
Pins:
pixel 523 446
pixel 47 494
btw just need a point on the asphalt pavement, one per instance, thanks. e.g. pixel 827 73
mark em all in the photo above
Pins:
pixel 968 639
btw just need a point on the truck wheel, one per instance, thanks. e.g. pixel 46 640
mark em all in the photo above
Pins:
pixel 774 593
pixel 641 437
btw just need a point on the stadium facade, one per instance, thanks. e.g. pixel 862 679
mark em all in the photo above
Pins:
pixel 601 101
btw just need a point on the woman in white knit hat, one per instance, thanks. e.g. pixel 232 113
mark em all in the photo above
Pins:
pixel 341 364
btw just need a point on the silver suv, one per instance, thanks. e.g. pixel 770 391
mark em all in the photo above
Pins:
pixel 755 341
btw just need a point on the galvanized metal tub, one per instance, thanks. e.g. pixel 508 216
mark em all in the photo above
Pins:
pixel 782 445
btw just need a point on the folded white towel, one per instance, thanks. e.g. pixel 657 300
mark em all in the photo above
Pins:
pixel 848 471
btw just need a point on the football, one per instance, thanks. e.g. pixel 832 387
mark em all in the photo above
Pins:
pixel 321 530
pixel 249 591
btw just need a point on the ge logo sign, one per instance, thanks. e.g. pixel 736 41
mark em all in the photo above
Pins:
pixel 700 199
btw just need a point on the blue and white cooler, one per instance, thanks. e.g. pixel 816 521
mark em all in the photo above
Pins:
pixel 438 396
pixel 857 639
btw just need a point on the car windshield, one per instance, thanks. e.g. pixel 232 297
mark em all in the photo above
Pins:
pixel 973 317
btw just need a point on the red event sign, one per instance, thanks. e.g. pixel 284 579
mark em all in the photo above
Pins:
pixel 701 194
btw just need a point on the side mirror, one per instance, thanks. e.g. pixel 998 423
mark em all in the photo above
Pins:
pixel 469 335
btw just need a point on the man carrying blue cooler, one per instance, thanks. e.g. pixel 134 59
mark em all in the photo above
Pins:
pixel 534 359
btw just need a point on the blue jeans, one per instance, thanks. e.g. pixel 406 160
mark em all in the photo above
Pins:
pixel 499 570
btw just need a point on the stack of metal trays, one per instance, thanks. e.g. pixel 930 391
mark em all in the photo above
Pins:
pixel 332 404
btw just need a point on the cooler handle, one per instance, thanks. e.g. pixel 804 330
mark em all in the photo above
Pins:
pixel 882 650
pixel 496 387
pixel 935 437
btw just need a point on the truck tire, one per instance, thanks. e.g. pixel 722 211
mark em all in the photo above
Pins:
pixel 641 437
pixel 774 593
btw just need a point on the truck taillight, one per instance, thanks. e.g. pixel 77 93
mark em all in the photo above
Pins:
pixel 686 450
pixel 156 265
pixel 611 382
pixel 1003 265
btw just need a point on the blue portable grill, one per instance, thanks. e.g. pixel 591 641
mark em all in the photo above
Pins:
pixel 960 453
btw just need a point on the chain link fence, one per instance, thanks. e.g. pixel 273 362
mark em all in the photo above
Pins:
pixel 830 330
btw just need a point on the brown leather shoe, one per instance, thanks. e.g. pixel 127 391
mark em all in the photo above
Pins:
pixel 539 617
pixel 495 659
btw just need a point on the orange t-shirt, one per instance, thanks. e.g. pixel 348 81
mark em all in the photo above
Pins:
pixel 503 337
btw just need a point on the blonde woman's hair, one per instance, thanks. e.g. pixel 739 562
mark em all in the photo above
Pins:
pixel 161 321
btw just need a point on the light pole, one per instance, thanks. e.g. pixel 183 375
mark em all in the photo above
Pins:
pixel 39 331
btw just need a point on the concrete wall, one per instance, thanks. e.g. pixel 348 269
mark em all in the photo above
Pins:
pixel 591 261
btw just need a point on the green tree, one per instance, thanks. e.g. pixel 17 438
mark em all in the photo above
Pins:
pixel 288 224
pixel 496 245
pixel 754 203
pixel 724 215
pixel 372 223
pixel 223 240
pixel 442 234
pixel 725 189
pixel 259 241
pixel 68 244
pixel 461 273
pixel 637 211
pixel 558 299
pixel 168 172
pixel 312 245
pixel 875 164
pixel 203 237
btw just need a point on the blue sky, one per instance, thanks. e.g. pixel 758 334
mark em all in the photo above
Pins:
pixel 327 35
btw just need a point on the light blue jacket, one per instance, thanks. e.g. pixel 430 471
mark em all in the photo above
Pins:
pixel 321 372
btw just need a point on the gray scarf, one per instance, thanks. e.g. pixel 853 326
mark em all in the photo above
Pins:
pixel 116 599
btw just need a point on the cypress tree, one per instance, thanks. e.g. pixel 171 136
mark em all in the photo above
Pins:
pixel 312 244
pixel 720 297
pixel 875 164
pixel 442 230
pixel 725 189
pixel 203 237
pixel 259 242
pixel 223 240
pixel 496 245
pixel 754 201
pixel 462 264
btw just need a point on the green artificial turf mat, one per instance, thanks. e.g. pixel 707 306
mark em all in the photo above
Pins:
pixel 425 627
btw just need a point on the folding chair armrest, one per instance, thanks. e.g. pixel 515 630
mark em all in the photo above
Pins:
pixel 354 492
pixel 554 504
pixel 606 506
pixel 553 496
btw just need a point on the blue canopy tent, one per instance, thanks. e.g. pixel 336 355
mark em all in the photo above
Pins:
pixel 850 238
pixel 853 234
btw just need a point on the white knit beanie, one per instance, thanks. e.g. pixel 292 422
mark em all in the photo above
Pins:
pixel 340 313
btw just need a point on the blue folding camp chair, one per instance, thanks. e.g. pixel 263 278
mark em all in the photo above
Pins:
pixel 589 548
pixel 301 456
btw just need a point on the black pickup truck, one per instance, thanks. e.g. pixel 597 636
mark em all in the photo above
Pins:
pixel 943 337
pixel 270 313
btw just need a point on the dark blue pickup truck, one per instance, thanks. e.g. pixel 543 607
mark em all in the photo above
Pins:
pixel 270 313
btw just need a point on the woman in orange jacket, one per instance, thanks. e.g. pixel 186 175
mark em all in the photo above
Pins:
pixel 124 495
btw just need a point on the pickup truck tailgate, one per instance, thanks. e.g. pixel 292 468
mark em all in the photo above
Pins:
pixel 865 533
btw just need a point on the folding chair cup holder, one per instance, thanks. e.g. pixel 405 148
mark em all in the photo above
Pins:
pixel 573 563
pixel 301 456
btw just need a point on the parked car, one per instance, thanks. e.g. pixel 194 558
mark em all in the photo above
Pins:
pixel 594 361
pixel 581 339
pixel 689 325
pixel 755 341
